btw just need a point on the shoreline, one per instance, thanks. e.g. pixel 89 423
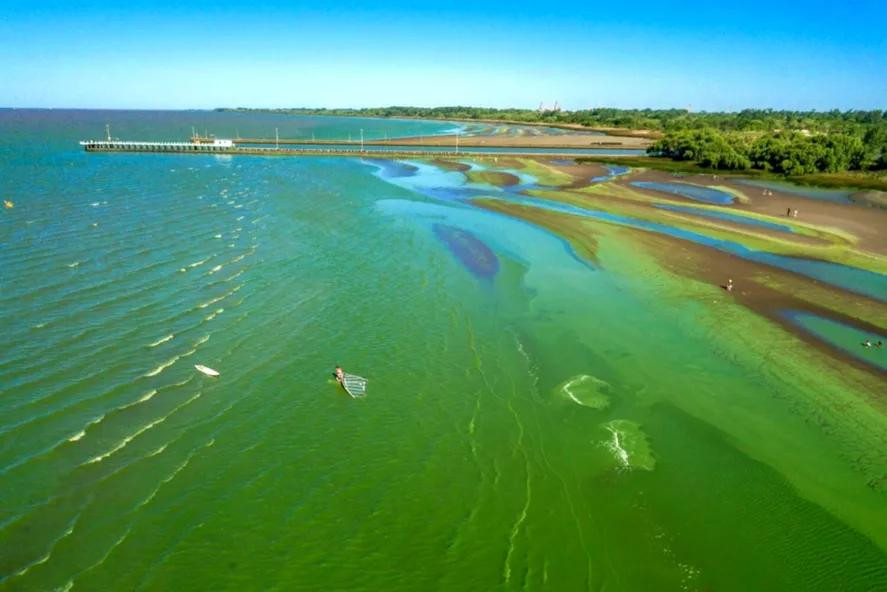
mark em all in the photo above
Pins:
pixel 769 292
pixel 710 267
pixel 609 131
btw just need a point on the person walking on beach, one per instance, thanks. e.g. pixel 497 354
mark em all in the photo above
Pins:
pixel 729 286
pixel 788 212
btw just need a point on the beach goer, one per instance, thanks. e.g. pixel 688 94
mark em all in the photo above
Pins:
pixel 879 344
pixel 795 214
pixel 729 285
pixel 867 343
pixel 788 212
pixel 340 374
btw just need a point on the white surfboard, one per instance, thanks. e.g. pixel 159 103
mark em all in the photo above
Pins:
pixel 206 370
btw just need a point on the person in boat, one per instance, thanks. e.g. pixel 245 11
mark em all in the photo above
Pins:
pixel 339 374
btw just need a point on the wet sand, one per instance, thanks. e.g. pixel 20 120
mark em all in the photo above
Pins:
pixel 525 141
pixel 866 223
pixel 752 281
pixel 766 290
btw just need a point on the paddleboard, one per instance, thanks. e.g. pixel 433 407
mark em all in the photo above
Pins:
pixel 354 385
pixel 206 370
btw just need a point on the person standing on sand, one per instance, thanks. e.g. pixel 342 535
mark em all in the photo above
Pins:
pixel 729 286
pixel 788 212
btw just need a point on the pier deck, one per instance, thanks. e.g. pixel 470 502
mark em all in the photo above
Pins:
pixel 332 150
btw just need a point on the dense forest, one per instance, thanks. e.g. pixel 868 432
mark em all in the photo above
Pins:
pixel 787 152
pixel 789 142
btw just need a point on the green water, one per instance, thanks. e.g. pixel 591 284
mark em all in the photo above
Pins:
pixel 682 456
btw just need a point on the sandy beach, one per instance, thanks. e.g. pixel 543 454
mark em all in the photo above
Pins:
pixel 524 141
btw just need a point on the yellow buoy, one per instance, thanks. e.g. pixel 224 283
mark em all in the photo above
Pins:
pixel 8 203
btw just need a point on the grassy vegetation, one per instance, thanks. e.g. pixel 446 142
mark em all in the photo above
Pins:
pixel 856 179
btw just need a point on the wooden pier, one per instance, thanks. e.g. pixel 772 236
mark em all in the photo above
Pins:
pixel 222 147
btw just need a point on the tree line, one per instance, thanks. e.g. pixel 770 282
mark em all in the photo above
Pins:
pixel 785 151
pixel 789 142
pixel 661 120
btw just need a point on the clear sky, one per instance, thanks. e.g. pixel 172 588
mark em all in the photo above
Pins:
pixel 192 54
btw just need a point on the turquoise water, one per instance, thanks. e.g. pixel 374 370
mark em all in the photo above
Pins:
pixel 729 217
pixel 852 279
pixel 848 339
pixel 613 171
pixel 541 423
pixel 694 192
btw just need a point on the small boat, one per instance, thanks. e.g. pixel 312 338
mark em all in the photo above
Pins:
pixel 206 370
pixel 354 385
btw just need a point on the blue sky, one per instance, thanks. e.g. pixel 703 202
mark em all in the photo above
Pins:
pixel 708 55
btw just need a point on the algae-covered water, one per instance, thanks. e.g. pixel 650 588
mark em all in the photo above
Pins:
pixel 534 420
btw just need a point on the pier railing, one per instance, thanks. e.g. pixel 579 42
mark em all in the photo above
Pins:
pixel 376 152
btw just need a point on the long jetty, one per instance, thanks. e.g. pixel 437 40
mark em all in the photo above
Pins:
pixel 190 148
pixel 442 141
pixel 231 148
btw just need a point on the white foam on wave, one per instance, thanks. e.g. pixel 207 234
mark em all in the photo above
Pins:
pixel 77 436
pixel 215 269
pixel 163 366
pixel 146 397
pixel 220 298
pixel 74 264
pixel 239 218
pixel 201 341
pixel 217 236
pixel 175 471
pixel 122 444
pixel 95 204
pixel 238 258
pixel 211 302
pixel 214 314
pixel 236 275
pixel 158 451
pixel 161 340
pixel 197 263
pixel 45 558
